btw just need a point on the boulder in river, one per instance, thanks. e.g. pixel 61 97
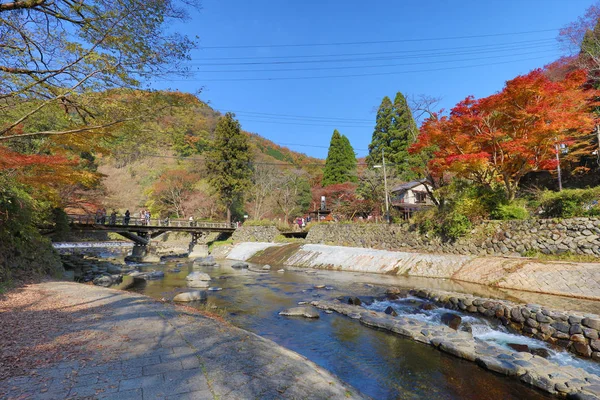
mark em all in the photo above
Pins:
pixel 197 276
pixel 427 306
pixel 208 261
pixel 266 267
pixel 198 284
pixel 190 296
pixel 522 348
pixel 540 351
pixel 451 320
pixel 107 280
pixel 113 269
pixel 240 265
pixel 390 311
pixel 354 301
pixel 307 312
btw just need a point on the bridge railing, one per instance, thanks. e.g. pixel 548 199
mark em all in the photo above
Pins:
pixel 108 220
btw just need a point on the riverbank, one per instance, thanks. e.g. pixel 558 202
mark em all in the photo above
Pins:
pixel 62 339
pixel 571 279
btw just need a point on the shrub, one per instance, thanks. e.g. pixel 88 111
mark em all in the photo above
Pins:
pixel 259 222
pixel 570 203
pixel 510 211
pixel 454 225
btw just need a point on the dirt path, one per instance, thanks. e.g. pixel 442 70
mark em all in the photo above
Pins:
pixel 67 340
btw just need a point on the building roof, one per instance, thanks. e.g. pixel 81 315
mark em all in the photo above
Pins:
pixel 408 185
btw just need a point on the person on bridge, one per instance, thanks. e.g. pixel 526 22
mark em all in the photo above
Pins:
pixel 113 218
pixel 191 219
pixel 126 218
pixel 148 215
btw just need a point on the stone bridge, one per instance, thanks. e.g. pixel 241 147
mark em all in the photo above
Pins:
pixel 141 231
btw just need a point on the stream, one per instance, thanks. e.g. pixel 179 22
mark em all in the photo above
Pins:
pixel 379 364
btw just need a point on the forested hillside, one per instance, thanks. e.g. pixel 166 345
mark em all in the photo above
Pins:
pixel 159 163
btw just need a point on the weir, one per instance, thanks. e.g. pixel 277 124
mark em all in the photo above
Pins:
pixel 141 231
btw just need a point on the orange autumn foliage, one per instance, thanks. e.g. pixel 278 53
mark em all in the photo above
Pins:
pixel 508 134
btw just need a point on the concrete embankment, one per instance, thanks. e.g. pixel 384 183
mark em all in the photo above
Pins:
pixel 559 278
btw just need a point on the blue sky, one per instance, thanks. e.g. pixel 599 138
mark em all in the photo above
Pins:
pixel 446 49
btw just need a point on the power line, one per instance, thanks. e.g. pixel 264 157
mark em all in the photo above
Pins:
pixel 491 46
pixel 351 75
pixel 254 46
pixel 376 66
pixel 396 57
pixel 325 124
pixel 298 116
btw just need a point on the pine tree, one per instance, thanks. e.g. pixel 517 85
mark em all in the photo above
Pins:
pixel 228 163
pixel 340 165
pixel 395 130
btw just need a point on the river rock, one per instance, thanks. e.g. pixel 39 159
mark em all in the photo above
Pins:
pixel 205 261
pixel 107 280
pixel 451 320
pixel 281 271
pixel 240 265
pixel 190 296
pixel 198 276
pixel 266 267
pixel 390 311
pixel 355 301
pixel 215 289
pixel 306 312
pixel 113 269
pixel 540 351
pixel 519 347
pixel 198 284
pixel 393 290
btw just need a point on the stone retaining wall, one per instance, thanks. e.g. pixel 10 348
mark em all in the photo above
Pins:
pixel 512 238
pixel 578 333
pixel 255 234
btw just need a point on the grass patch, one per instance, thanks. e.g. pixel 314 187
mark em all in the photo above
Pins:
pixel 567 256
pixel 283 239
pixel 217 243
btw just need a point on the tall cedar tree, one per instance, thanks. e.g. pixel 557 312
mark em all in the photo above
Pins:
pixel 228 163
pixel 395 131
pixel 350 157
pixel 340 165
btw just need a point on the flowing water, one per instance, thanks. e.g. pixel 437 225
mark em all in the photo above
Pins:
pixel 379 364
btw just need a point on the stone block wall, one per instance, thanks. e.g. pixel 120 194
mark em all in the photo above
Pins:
pixel 500 238
pixel 578 333
pixel 255 234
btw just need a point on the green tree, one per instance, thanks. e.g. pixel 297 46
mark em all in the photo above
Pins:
pixel 229 162
pixel 340 165
pixel 54 52
pixel 395 130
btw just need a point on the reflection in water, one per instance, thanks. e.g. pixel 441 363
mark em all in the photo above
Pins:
pixel 380 364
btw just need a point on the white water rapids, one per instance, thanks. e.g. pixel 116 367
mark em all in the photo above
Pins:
pixel 482 329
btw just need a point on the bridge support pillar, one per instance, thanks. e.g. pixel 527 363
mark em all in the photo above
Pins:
pixel 142 251
pixel 197 250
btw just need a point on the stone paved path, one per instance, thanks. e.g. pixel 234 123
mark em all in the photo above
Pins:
pixel 152 350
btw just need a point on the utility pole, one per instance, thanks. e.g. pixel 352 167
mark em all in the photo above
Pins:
pixel 557 147
pixel 387 205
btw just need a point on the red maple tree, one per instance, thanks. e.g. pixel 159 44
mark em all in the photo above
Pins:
pixel 502 137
